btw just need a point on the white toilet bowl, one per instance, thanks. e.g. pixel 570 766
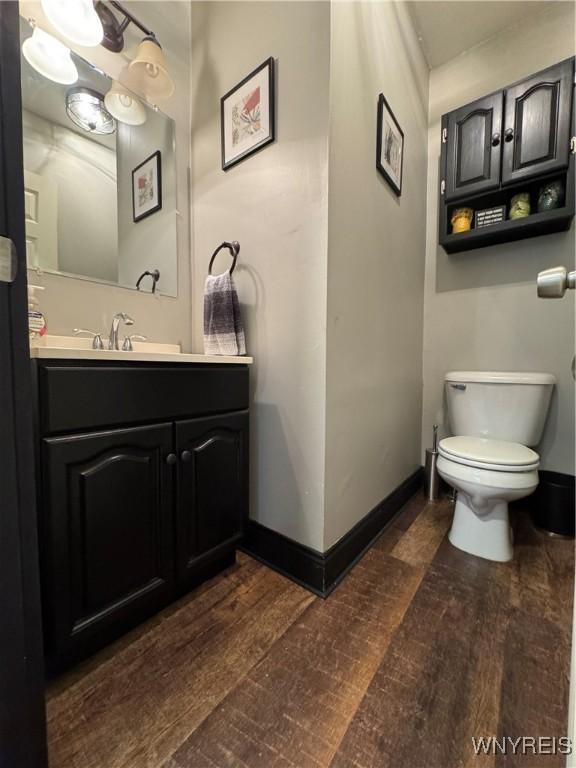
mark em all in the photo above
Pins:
pixel 487 475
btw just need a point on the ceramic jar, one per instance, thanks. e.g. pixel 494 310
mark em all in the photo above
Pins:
pixel 461 219
pixel 520 206
pixel 551 196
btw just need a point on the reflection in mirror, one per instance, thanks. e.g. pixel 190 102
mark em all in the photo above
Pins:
pixel 99 174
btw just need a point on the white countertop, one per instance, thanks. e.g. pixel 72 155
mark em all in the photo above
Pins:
pixel 75 348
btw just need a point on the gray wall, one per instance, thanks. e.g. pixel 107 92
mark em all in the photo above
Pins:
pixel 331 271
pixel 275 204
pixel 481 309
pixel 375 264
pixel 69 302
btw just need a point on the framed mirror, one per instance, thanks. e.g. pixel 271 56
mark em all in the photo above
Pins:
pixel 100 178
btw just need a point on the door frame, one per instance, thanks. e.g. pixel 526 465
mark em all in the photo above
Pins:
pixel 22 698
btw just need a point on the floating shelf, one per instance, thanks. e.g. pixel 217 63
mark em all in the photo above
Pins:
pixel 557 220
pixel 534 225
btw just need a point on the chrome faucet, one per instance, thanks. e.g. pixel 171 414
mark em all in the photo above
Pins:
pixel 116 320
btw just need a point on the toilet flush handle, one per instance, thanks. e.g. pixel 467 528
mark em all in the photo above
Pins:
pixel 459 386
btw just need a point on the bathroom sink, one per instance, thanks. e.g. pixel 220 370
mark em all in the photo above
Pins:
pixel 75 348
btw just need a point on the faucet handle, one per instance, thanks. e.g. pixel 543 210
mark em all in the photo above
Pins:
pixel 96 337
pixel 127 346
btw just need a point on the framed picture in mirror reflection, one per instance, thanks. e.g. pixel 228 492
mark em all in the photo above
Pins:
pixel 147 187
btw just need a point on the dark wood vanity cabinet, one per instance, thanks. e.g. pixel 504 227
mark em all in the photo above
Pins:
pixel 211 488
pixel 509 142
pixel 108 530
pixel 132 516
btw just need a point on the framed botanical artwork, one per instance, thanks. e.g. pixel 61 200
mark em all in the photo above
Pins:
pixel 247 115
pixel 389 146
pixel 147 187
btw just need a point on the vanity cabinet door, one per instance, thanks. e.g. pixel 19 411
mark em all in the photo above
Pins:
pixel 108 533
pixel 537 124
pixel 473 145
pixel 212 503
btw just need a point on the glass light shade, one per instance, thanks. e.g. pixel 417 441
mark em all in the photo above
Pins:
pixel 151 69
pixel 124 106
pixel 75 19
pixel 86 109
pixel 49 57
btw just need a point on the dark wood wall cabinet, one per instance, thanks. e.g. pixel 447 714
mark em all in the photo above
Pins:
pixel 513 141
pixel 143 490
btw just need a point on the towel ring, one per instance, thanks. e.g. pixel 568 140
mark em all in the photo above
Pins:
pixel 233 247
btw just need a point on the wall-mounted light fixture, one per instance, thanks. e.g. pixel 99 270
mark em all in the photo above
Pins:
pixel 49 57
pixel 87 24
pixel 76 20
pixel 151 70
pixel 124 106
pixel 113 38
pixel 85 107
pixel 149 67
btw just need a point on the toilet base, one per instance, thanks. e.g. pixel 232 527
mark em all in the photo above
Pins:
pixel 485 535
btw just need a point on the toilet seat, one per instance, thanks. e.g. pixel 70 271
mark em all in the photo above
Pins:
pixel 484 453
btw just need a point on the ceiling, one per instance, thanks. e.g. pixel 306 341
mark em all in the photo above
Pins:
pixel 447 29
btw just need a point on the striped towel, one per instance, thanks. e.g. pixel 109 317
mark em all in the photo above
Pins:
pixel 223 330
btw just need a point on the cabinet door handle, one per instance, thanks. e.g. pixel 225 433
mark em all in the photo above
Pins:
pixel 508 134
pixel 186 456
pixel 171 458
pixel 495 139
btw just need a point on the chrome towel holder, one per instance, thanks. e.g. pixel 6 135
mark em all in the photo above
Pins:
pixel 233 247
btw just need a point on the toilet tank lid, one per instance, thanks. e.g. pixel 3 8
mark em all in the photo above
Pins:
pixel 500 377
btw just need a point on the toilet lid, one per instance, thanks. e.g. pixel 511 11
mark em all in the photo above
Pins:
pixel 489 454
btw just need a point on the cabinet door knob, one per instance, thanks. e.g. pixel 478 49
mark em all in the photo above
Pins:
pixel 171 458
pixel 508 134
pixel 186 456
pixel 495 139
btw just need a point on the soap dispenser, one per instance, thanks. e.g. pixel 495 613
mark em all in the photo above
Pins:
pixel 37 326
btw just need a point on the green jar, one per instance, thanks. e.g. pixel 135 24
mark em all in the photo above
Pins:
pixel 520 206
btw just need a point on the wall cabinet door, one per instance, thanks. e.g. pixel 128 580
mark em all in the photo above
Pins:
pixel 474 144
pixel 212 503
pixel 109 533
pixel 537 124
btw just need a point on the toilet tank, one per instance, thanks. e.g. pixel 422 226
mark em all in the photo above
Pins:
pixel 500 405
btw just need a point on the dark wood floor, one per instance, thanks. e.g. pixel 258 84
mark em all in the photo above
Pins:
pixel 420 648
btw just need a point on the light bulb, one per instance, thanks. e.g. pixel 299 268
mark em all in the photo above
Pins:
pixel 124 106
pixel 151 70
pixel 75 19
pixel 49 57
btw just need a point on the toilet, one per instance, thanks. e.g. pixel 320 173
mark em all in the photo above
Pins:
pixel 495 418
